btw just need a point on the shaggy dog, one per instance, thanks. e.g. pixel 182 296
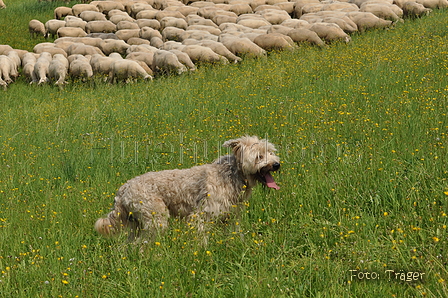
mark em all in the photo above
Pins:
pixel 144 203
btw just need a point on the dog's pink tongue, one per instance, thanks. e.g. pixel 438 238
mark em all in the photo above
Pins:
pixel 270 181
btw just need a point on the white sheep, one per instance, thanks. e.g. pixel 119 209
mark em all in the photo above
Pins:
pixel 83 49
pixel 70 32
pixel 330 32
pixel 165 62
pixel 79 8
pixel 71 21
pixel 80 67
pixel 2 4
pixel 90 16
pixel 199 53
pixel 100 27
pixel 242 46
pixel 109 46
pixel 28 62
pixel 184 59
pixel 126 69
pixel 52 26
pixel 415 10
pixel 6 71
pixel 106 6
pixel 61 12
pixel 58 69
pixel 220 49
pixel 274 41
pixel 102 65
pixel 40 71
pixel 36 28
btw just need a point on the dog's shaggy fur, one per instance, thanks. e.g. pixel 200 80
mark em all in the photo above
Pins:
pixel 144 203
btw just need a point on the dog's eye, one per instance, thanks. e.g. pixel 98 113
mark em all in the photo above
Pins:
pixel 260 156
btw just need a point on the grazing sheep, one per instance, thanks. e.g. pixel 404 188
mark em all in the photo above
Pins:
pixel 71 21
pixel 14 56
pixel 367 20
pixel 173 22
pixel 36 28
pixel 5 49
pixel 184 59
pixel 127 25
pixel 383 10
pixel 40 71
pixel 165 62
pixel 83 49
pixel 125 34
pixel 106 6
pixel 275 17
pixel 148 33
pixel 156 42
pixel 415 10
pixel 243 47
pixel 154 24
pixel 120 17
pixel 146 57
pixel 102 65
pixel 220 49
pixel 61 12
pixel 6 71
pixel 126 69
pixel 274 41
pixel 2 4
pixel 100 27
pixel 330 32
pixel 70 32
pixel 198 20
pixel 58 69
pixel 199 53
pixel 80 67
pixel 28 62
pixel 90 16
pixel 109 46
pixel 172 33
pixel 433 3
pixel 137 41
pixel 305 35
pixel 79 8
pixel 52 26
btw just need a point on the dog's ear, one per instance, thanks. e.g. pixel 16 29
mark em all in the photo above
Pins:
pixel 236 146
pixel 231 143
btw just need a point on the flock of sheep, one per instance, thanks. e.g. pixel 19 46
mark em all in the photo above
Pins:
pixel 127 39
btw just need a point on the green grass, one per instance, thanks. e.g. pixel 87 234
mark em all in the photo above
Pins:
pixel 362 133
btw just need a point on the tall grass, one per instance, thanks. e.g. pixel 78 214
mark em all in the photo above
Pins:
pixel 362 133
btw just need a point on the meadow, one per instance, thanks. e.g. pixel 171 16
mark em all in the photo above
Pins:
pixel 361 130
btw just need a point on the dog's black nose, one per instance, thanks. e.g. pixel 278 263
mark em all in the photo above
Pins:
pixel 276 166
